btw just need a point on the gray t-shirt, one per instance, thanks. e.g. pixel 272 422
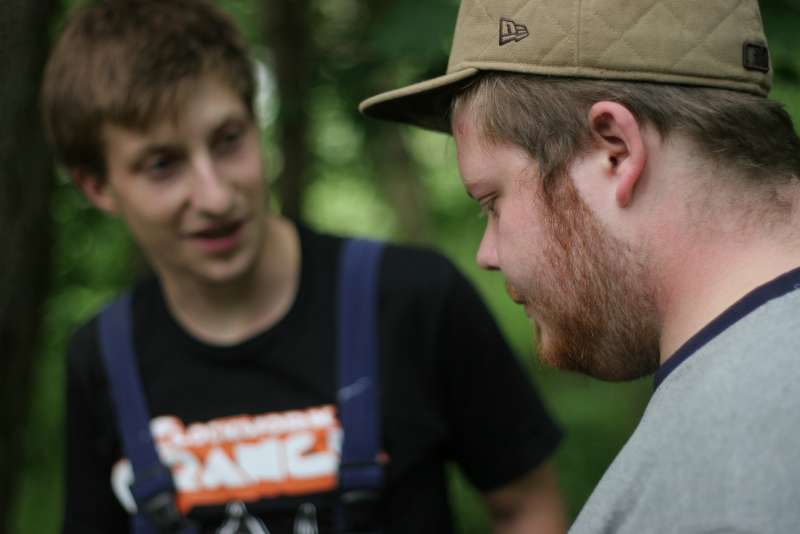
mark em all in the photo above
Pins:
pixel 718 448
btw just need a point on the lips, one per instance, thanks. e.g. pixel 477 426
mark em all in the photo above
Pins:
pixel 220 238
pixel 218 231
pixel 515 296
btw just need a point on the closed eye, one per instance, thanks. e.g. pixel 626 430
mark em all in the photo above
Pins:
pixel 487 206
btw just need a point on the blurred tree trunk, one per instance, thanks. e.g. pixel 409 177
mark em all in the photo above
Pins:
pixel 397 173
pixel 26 178
pixel 291 38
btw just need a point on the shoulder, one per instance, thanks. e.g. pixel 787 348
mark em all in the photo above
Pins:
pixel 742 371
pixel 83 347
pixel 404 269
pixel 428 282
pixel 407 267
pixel 725 418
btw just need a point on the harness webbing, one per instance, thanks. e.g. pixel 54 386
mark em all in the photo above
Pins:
pixel 358 394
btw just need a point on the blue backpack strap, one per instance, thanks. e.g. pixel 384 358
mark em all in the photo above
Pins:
pixel 152 489
pixel 360 472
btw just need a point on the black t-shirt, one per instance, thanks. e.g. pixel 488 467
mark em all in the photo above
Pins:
pixel 256 422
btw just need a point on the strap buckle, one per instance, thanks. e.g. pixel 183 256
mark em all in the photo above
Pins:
pixel 162 511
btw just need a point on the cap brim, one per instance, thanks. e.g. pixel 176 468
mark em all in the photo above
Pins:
pixel 425 104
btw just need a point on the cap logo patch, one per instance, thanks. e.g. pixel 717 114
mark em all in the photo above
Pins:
pixel 755 56
pixel 511 31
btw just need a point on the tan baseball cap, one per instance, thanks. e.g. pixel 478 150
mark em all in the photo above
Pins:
pixel 712 43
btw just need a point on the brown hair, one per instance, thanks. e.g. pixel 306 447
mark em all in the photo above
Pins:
pixel 746 134
pixel 127 62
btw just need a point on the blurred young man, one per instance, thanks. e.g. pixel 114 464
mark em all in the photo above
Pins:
pixel 644 205
pixel 235 420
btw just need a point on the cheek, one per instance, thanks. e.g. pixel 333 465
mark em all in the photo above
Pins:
pixel 520 244
pixel 158 205
pixel 247 175
pixel 248 168
pixel 516 230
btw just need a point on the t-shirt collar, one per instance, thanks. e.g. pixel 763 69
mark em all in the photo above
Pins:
pixel 773 289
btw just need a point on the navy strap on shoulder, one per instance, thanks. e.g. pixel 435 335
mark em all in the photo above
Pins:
pixel 359 392
pixel 360 469
pixel 151 478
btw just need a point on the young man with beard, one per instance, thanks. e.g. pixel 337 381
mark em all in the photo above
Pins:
pixel 242 413
pixel 644 205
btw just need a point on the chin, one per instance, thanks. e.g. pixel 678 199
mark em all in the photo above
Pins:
pixel 235 269
pixel 599 364
pixel 543 347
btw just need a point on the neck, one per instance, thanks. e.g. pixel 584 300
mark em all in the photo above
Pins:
pixel 233 311
pixel 709 277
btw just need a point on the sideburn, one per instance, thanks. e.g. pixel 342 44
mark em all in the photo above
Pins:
pixel 604 319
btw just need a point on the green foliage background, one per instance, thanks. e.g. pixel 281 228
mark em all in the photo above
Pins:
pixel 400 42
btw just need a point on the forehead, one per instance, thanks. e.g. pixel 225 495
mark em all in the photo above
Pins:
pixel 203 106
pixel 464 123
pixel 480 157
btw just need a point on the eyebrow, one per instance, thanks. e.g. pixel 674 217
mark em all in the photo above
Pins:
pixel 233 119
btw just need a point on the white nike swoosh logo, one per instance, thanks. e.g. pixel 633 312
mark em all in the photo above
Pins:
pixel 355 389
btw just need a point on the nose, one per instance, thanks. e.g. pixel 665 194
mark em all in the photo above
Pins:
pixel 211 193
pixel 486 258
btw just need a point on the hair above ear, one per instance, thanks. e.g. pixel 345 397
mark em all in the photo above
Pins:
pixel 617 133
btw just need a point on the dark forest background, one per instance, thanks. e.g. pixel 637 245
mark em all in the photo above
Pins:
pixel 328 167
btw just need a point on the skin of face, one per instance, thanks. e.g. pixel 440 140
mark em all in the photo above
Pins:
pixel 190 188
pixel 583 288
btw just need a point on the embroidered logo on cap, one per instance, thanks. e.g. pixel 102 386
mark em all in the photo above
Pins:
pixel 755 57
pixel 511 31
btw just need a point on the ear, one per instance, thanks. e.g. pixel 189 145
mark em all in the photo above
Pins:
pixel 96 189
pixel 618 136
